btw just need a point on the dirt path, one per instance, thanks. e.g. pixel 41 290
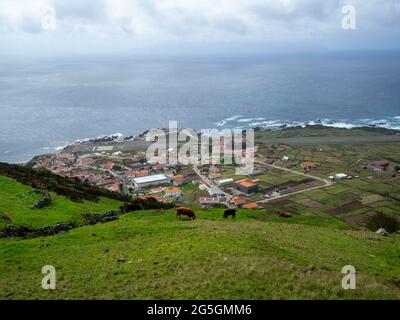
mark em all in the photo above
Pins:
pixel 294 172
pixel 210 184
pixel 327 183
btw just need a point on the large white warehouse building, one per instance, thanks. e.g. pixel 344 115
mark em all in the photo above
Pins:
pixel 152 180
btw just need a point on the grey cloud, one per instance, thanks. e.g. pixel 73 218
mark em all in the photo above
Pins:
pixel 84 10
pixel 232 25
pixel 191 21
pixel 4 24
pixel 318 10
pixel 31 25
pixel 381 14
pixel 178 20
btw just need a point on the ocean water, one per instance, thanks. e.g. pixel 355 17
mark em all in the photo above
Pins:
pixel 47 104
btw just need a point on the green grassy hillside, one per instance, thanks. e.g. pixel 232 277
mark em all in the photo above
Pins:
pixel 209 258
pixel 320 131
pixel 16 200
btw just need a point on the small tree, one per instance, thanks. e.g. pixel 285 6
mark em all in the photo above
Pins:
pixel 5 218
pixel 380 220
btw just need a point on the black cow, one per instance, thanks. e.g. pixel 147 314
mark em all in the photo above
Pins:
pixel 230 212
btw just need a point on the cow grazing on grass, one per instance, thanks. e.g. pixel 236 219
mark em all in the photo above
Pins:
pixel 284 214
pixel 182 211
pixel 230 212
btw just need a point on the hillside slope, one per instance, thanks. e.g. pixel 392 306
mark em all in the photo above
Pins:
pixel 16 200
pixel 209 258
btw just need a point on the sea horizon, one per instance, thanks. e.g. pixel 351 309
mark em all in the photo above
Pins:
pixel 51 103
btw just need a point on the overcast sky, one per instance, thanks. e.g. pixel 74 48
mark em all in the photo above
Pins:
pixel 195 26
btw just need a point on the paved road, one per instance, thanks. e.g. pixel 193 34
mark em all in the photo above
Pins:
pixel 329 140
pixel 327 183
pixel 290 194
pixel 210 183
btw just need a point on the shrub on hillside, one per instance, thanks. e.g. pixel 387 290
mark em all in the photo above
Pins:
pixel 93 218
pixel 43 179
pixel 4 217
pixel 380 220
pixel 145 203
pixel 44 202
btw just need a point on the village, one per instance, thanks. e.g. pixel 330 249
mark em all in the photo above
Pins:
pixel 316 197
pixel 281 173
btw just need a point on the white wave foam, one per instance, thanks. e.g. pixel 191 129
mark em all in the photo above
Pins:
pixel 245 120
pixel 387 123
pixel 114 136
pixel 226 120
pixel 342 125
pixel 61 147
pixel 233 118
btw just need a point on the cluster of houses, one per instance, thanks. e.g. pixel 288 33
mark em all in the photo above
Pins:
pixel 66 164
pixel 377 166
pixel 131 173
pixel 119 172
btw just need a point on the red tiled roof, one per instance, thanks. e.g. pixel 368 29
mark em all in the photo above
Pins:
pixel 246 183
pixel 108 165
pixel 178 177
pixel 238 200
pixel 309 164
pixel 250 205
pixel 173 190
pixel 381 163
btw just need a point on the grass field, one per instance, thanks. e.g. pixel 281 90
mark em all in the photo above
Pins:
pixel 320 132
pixel 209 258
pixel 350 201
pixel 16 200
pixel 258 256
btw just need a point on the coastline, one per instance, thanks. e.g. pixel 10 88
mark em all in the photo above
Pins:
pixel 239 121
pixel 387 125
pixel 260 123
pixel 378 131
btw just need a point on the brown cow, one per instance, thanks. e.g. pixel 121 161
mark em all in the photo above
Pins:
pixel 284 214
pixel 182 211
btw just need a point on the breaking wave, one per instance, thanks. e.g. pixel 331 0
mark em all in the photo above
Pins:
pixel 115 137
pixel 241 122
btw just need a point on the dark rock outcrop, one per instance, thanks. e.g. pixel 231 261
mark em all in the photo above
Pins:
pixel 26 232
pixel 46 201
pixel 107 216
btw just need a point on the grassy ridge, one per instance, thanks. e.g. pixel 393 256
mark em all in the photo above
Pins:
pixel 16 200
pixel 258 256
pixel 321 131
pixel 209 258
pixel 73 189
